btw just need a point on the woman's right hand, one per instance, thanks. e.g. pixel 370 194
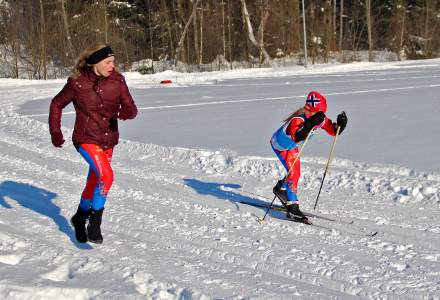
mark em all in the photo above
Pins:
pixel 57 139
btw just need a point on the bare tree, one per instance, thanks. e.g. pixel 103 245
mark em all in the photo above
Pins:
pixel 196 34
pixel 264 15
pixel 229 34
pixel 291 12
pixel 223 29
pixel 369 29
pixel 43 41
pixel 105 21
pixel 70 51
pixel 250 31
pixel 150 31
pixel 341 24
pixel 185 30
pixel 201 33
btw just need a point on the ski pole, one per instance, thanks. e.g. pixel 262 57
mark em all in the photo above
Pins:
pixel 261 220
pixel 328 164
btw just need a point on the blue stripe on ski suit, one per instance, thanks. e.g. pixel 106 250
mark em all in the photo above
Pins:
pixel 291 195
pixel 98 201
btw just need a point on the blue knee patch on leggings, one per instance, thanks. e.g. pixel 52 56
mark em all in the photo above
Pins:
pixel 98 198
pixel 85 204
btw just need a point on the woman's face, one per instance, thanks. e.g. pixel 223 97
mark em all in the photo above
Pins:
pixel 105 67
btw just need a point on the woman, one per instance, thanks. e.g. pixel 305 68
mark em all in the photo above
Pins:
pixel 100 97
pixel 289 137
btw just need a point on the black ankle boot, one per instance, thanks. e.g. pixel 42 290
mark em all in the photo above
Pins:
pixel 295 214
pixel 78 222
pixel 94 228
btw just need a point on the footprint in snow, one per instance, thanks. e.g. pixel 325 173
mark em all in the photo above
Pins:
pixel 11 259
pixel 61 273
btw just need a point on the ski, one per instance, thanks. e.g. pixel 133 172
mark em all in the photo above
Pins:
pixel 328 218
pixel 283 209
pixel 324 218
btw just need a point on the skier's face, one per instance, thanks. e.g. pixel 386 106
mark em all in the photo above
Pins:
pixel 105 67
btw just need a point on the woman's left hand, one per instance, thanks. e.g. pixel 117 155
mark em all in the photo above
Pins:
pixel 125 113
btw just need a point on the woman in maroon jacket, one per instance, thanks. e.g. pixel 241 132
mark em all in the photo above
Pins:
pixel 100 97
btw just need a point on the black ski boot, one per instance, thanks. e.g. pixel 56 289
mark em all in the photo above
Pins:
pixel 94 228
pixel 78 222
pixel 281 192
pixel 294 214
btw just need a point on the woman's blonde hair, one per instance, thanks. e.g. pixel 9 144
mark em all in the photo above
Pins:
pixel 296 113
pixel 81 65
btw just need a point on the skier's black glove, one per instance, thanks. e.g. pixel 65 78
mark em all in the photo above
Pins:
pixel 341 122
pixel 311 122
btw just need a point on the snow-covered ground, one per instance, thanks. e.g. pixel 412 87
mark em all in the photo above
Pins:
pixel 174 227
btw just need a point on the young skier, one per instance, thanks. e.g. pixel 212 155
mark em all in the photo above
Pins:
pixel 100 97
pixel 287 140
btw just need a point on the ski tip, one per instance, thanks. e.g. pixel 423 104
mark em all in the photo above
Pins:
pixel 373 233
pixel 260 220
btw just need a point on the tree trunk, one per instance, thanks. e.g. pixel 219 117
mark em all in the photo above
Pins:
pixel 370 41
pixel 168 26
pixel 328 40
pixel 185 30
pixel 43 41
pixel 294 29
pixel 341 24
pixel 105 22
pixel 402 26
pixel 251 35
pixel 334 20
pixel 70 51
pixel 196 34
pixel 229 35
pixel 265 13
pixel 151 36
pixel 223 29
pixel 16 52
pixel 201 33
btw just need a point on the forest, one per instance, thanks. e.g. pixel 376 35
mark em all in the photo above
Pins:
pixel 41 39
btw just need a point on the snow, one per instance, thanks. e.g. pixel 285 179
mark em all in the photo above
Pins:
pixel 174 226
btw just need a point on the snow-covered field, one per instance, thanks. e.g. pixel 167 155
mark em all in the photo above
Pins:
pixel 174 227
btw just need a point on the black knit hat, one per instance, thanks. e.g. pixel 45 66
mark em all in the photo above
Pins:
pixel 99 55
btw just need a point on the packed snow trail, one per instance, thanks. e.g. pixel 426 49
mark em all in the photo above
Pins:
pixel 172 231
pixel 174 227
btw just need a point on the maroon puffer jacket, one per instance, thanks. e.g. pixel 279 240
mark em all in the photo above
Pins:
pixel 97 101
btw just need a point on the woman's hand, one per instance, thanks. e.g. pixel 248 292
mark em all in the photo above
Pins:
pixel 57 139
pixel 125 113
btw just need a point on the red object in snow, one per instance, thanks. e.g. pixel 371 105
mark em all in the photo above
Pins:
pixel 166 81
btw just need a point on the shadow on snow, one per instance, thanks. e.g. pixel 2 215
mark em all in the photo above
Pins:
pixel 223 191
pixel 40 201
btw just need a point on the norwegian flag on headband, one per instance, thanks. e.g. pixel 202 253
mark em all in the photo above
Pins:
pixel 313 101
pixel 316 102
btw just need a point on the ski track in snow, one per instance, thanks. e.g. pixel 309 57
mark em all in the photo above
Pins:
pixel 173 228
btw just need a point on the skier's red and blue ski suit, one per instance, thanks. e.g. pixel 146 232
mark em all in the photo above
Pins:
pixel 286 148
